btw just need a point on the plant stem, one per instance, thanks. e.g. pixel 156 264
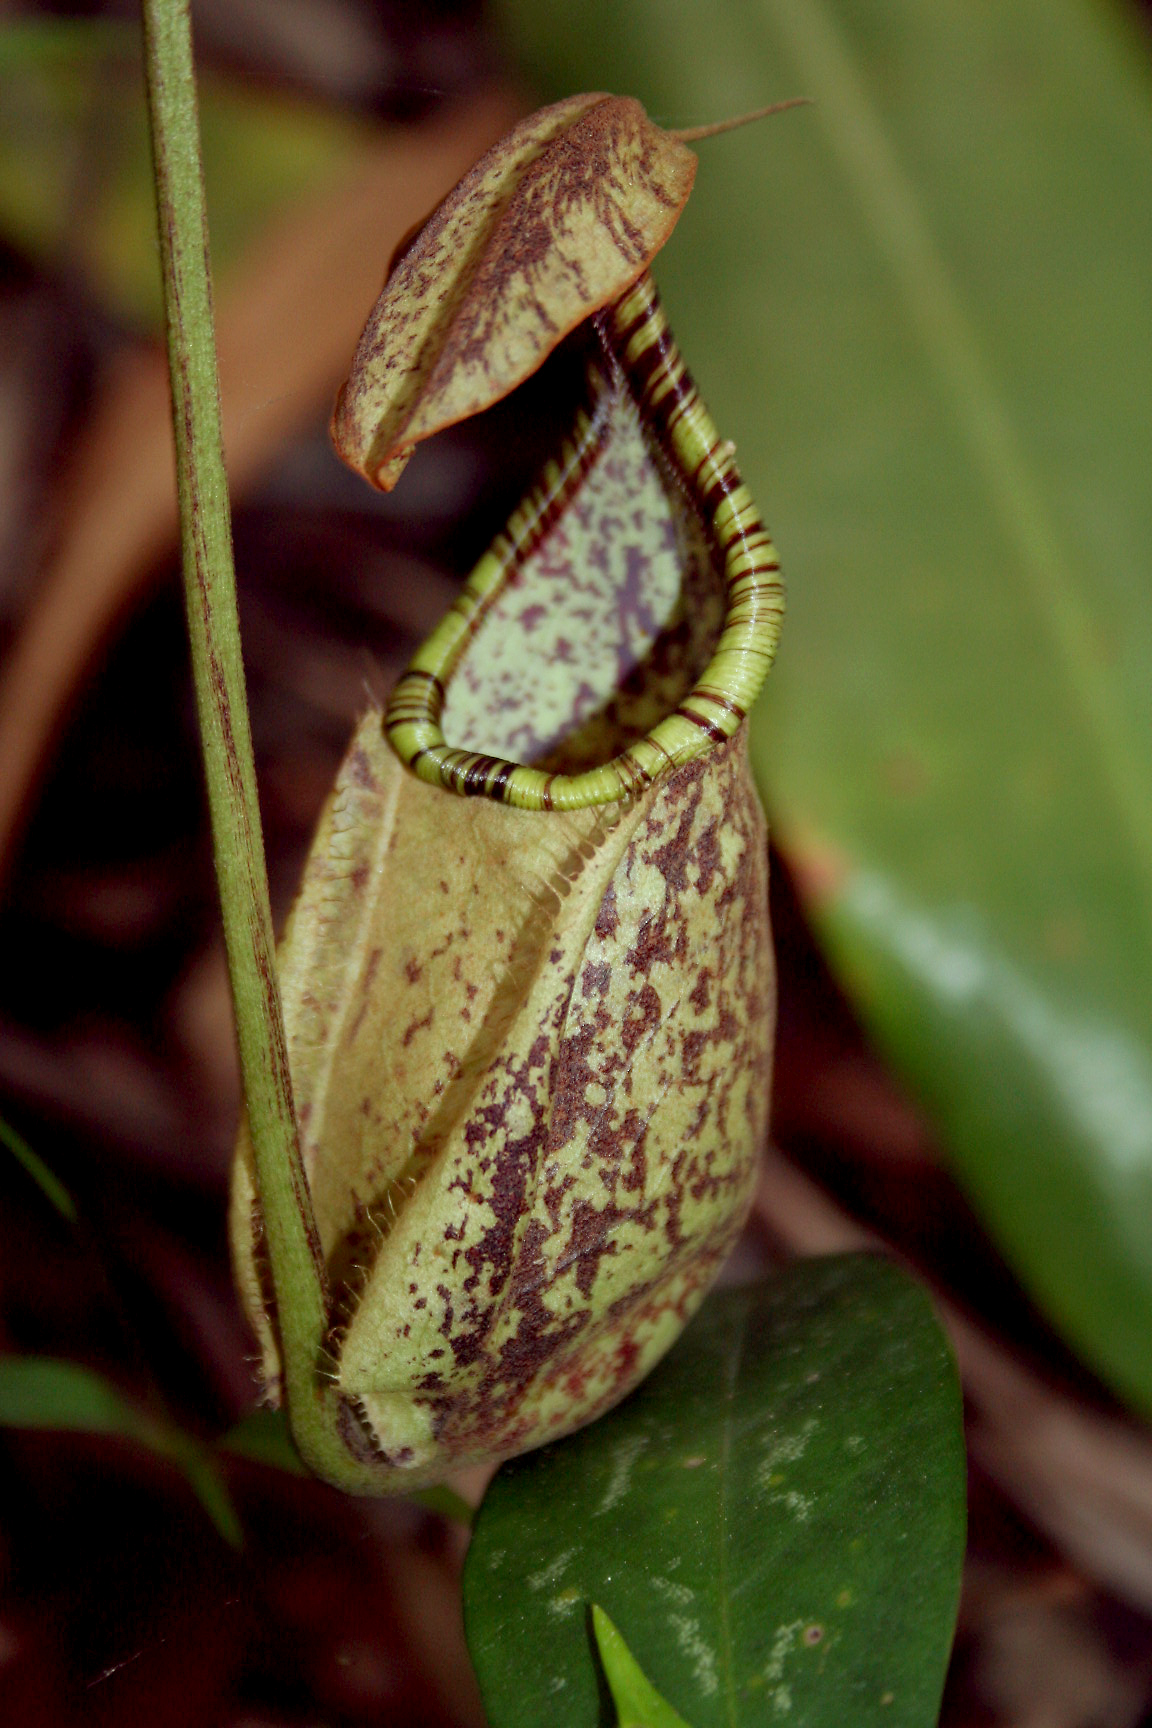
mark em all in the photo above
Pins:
pixel 210 595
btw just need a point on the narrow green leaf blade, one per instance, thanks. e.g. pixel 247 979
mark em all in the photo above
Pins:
pixel 42 1392
pixel 777 1517
pixel 638 1704
pixel 921 310
pixel 202 1473
pixel 47 1393
pixel 34 1166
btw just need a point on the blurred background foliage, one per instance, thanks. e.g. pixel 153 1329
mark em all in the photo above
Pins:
pixel 921 309
pixel 75 170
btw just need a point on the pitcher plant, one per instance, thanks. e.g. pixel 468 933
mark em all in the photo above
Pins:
pixel 528 982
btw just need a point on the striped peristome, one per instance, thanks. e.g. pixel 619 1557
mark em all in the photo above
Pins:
pixel 644 361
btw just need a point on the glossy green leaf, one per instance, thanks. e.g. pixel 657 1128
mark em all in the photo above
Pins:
pixel 776 1517
pixel 75 170
pixel 46 1393
pixel 921 310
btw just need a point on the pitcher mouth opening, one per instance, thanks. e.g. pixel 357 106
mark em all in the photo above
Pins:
pixel 623 622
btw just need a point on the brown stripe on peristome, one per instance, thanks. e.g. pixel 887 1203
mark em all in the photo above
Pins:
pixel 474 780
pixel 547 794
pixel 713 458
pixel 659 354
pixel 718 698
pixel 754 575
pixel 722 487
pixel 501 780
pixel 504 546
pixel 675 404
pixel 623 335
pixel 716 733
pixel 628 767
pixel 429 678
pixel 678 398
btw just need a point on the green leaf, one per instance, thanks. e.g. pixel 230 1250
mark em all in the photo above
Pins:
pixel 638 1704
pixel 777 1517
pixel 921 310
pixel 263 1437
pixel 203 1476
pixel 34 1166
pixel 46 1393
pixel 42 1392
